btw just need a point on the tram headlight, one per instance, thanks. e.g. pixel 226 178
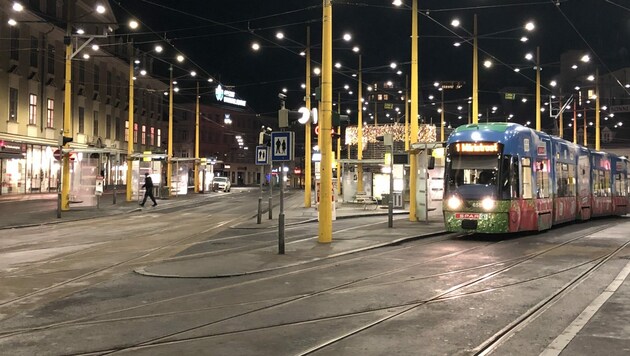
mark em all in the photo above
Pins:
pixel 454 202
pixel 487 204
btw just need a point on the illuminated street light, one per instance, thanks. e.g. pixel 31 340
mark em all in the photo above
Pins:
pixel 100 9
pixel 133 24
pixel 180 58
pixel 487 63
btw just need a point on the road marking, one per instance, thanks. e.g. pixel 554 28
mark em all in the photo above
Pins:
pixel 557 345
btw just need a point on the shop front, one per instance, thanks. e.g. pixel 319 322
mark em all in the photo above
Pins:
pixel 27 168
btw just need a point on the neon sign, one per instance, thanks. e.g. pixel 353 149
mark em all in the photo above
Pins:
pixel 477 147
pixel 228 96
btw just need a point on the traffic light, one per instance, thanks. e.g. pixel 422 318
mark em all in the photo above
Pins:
pixel 338 119
pixel 66 139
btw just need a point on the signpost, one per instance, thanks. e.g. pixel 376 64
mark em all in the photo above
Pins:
pixel 262 158
pixel 282 150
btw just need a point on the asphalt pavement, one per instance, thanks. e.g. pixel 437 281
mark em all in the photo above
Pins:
pixel 41 209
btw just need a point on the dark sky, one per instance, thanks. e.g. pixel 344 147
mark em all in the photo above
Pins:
pixel 217 37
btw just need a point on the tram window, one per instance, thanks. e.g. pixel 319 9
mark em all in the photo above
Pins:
pixel 526 182
pixel 472 170
pixel 620 185
pixel 571 180
pixel 607 187
pixel 505 178
pixel 542 180
pixel 515 178
pixel 561 179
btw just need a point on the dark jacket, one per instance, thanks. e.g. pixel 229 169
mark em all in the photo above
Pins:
pixel 148 182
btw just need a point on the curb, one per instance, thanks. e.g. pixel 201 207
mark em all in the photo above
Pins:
pixel 143 272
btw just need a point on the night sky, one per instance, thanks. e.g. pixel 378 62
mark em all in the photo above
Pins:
pixel 217 36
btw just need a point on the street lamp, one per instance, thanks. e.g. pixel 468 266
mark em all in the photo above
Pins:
pixel 487 63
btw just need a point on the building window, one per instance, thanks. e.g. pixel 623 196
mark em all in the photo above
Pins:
pixel 144 135
pixel 81 73
pixel 126 130
pixel 81 120
pixel 97 78
pixel 33 51
pixel 50 113
pixel 51 59
pixel 109 83
pixel 108 126
pixel 15 44
pixel 51 8
pixel 135 133
pixel 32 109
pixel 152 136
pixel 158 143
pixel 95 128
pixel 13 104
pixel 118 129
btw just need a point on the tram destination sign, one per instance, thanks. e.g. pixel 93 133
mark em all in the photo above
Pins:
pixel 477 147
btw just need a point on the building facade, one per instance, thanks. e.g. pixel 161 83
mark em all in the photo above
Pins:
pixel 32 87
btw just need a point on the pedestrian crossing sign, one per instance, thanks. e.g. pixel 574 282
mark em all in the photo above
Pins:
pixel 282 146
pixel 262 155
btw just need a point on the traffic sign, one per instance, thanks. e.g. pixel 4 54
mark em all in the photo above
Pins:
pixel 282 146
pixel 262 155
pixel 58 155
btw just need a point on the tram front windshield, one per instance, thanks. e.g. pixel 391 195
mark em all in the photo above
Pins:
pixel 473 175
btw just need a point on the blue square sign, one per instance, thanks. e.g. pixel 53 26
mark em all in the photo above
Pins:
pixel 262 155
pixel 282 146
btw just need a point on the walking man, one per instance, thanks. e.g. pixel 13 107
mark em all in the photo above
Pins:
pixel 148 192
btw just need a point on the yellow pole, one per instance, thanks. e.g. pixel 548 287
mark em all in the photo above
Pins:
pixel 197 142
pixel 561 123
pixel 575 121
pixel 475 84
pixel 406 136
pixel 413 164
pixel 67 126
pixel 307 127
pixel 375 112
pixel 339 146
pixel 360 134
pixel 325 203
pixel 442 118
pixel 169 150
pixel 130 130
pixel 597 133
pixel 585 130
pixel 538 123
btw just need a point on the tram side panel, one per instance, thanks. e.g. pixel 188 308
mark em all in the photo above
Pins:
pixel 601 184
pixel 584 184
pixel 564 166
pixel 619 169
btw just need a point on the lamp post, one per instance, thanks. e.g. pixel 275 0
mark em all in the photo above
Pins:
pixel 130 118
pixel 307 126
pixel 197 140
pixel 360 131
pixel 413 164
pixel 597 117
pixel 475 70
pixel 169 149
pixel 538 123
pixel 325 214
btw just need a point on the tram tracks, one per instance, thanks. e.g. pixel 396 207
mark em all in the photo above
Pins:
pixel 405 308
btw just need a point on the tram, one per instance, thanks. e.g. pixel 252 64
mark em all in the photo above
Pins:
pixel 505 177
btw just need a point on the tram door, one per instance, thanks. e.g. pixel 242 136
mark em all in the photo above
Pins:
pixel 584 187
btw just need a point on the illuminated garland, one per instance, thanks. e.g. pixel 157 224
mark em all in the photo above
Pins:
pixel 426 133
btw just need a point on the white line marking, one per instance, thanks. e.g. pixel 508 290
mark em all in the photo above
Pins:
pixel 557 345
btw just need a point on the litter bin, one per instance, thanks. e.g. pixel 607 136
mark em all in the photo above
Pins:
pixel 164 193
pixel 398 200
pixel 385 199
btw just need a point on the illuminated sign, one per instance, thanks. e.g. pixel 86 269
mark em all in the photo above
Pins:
pixel 477 147
pixel 467 216
pixel 228 96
